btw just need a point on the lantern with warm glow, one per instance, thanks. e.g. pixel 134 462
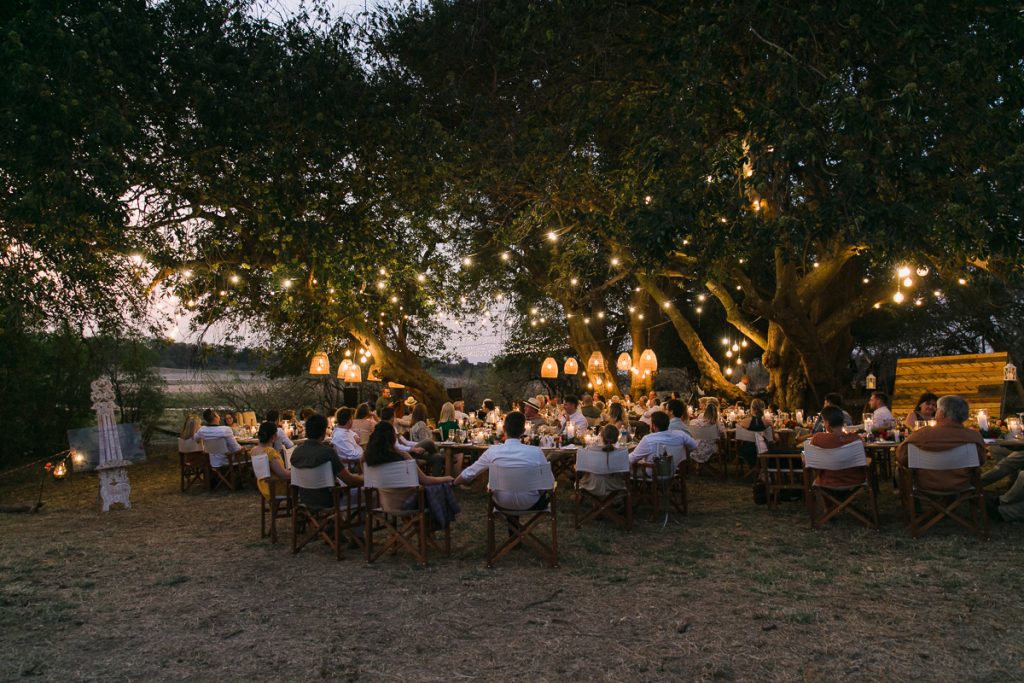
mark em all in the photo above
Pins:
pixel 595 366
pixel 1009 372
pixel 870 382
pixel 571 366
pixel 345 365
pixel 624 363
pixel 320 364
pixel 648 361
pixel 549 368
pixel 354 374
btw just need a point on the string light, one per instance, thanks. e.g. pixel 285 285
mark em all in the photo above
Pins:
pixel 383 271
pixel 898 297
pixel 648 199
pixel 586 321
pixel 866 280
pixel 699 310
pixel 903 272
pixel 381 284
pixel 552 236
pixel 466 261
pixel 286 284
pixel 962 281
pixel 907 282
pixel 615 261
pixel 701 298
pixel 505 256
pixel 420 277
pixel 574 282
pixel 600 315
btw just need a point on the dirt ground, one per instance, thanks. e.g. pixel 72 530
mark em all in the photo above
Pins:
pixel 181 587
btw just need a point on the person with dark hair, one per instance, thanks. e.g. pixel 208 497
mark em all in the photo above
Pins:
pixel 420 431
pixel 710 416
pixel 660 436
pixel 923 411
pixel 384 400
pixel 313 452
pixel 836 401
pixel 306 413
pixel 676 409
pixel 949 432
pixel 343 439
pixel 512 453
pixel 882 416
pixel 603 484
pixel 589 410
pixel 572 415
pixel 281 441
pixel 278 472
pixel 756 421
pixel 212 429
pixel 423 450
pixel 835 437
pixel 381 449
pixel 618 416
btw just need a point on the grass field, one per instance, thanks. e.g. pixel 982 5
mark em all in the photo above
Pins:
pixel 181 587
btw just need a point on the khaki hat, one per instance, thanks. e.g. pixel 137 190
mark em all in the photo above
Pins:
pixel 411 401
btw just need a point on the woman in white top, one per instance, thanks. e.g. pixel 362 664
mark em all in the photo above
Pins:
pixel 705 449
pixel 187 437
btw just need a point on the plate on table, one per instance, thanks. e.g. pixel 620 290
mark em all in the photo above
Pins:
pixel 882 443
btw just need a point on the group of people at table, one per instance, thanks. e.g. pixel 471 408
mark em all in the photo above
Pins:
pixel 380 433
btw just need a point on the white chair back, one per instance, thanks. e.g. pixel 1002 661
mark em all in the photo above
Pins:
pixel 706 432
pixel 319 477
pixel 602 462
pixel 743 434
pixel 678 453
pixel 964 455
pixel 842 458
pixel 261 466
pixel 189 446
pixel 216 446
pixel 519 479
pixel 393 475
pixel 287 455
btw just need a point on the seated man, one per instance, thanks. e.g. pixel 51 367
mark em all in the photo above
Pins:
pixel 835 437
pixel 831 400
pixel 512 453
pixel 882 416
pixel 948 432
pixel 281 441
pixel 678 410
pixel 212 429
pixel 660 436
pixel 589 410
pixel 531 409
pixel 343 439
pixel 313 452
pixel 425 450
pixel 572 415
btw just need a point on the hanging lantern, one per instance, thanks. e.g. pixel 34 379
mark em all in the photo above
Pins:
pixel 354 374
pixel 649 361
pixel 320 364
pixel 870 382
pixel 571 366
pixel 549 368
pixel 1009 372
pixel 595 366
pixel 624 362
pixel 345 365
pixel 373 374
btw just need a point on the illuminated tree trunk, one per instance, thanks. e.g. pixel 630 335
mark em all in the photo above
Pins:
pixel 642 302
pixel 403 366
pixel 582 340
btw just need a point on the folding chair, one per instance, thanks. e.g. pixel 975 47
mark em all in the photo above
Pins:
pixel 518 480
pixel 607 464
pixel 275 506
pixel 193 465
pixel 745 435
pixel 221 466
pixel 329 524
pixel 781 472
pixel 710 433
pixel 830 501
pixel 937 505
pixel 662 483
pixel 407 529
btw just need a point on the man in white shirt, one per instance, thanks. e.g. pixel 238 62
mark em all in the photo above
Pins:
pixel 677 409
pixel 512 453
pixel 744 384
pixel 212 429
pixel 571 415
pixel 344 439
pixel 460 412
pixel 882 416
pixel 660 436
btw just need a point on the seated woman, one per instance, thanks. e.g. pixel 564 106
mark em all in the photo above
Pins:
pixel 230 420
pixel 754 422
pixel 446 422
pixel 835 437
pixel 420 431
pixel 381 450
pixel 603 484
pixel 363 423
pixel 710 416
pixel 923 411
pixel 187 436
pixel 278 472
pixel 618 416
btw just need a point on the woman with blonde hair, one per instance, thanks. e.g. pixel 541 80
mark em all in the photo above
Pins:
pixel 710 416
pixel 446 421
pixel 187 436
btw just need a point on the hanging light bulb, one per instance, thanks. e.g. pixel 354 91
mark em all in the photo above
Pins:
pixel 903 272
pixel 728 353
pixel 739 361
pixel 922 271
pixel 898 297
pixel 728 372
pixel 320 365
pixel 908 282
pixel 735 347
pixel 549 368
pixel 743 343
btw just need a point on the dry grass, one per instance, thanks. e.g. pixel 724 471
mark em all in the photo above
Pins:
pixel 181 587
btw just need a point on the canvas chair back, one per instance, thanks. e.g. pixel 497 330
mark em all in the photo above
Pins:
pixel 392 475
pixel 319 477
pixel 602 462
pixel 678 453
pixel 844 457
pixel 743 434
pixel 530 478
pixel 706 433
pixel 189 446
pixel 261 466
pixel 287 455
pixel 216 446
pixel 964 455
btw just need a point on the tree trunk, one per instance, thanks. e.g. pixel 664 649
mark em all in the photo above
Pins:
pixel 582 340
pixel 403 366
pixel 711 373
pixel 641 384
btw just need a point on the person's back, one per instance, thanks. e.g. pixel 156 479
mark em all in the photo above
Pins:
pixel 948 433
pixel 834 437
pixel 512 453
pixel 312 453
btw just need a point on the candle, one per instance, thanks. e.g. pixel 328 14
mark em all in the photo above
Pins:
pixel 1013 425
pixel 800 417
pixel 983 420
pixel 570 429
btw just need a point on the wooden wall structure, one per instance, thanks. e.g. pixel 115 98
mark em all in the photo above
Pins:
pixel 977 377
